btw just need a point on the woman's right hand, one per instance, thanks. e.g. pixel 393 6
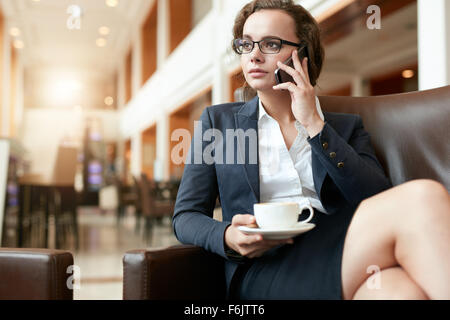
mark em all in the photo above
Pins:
pixel 250 246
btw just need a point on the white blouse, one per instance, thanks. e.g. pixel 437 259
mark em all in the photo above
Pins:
pixel 285 175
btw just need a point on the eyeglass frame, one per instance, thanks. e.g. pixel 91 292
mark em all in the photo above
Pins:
pixel 302 43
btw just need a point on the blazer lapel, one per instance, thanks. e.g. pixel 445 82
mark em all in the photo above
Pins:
pixel 245 119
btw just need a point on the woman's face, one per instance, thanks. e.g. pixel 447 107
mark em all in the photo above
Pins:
pixel 260 25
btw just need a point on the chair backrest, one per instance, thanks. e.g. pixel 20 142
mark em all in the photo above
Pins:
pixel 409 131
pixel 35 274
pixel 147 195
pixel 65 166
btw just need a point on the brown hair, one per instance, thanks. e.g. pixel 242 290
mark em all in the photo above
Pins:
pixel 306 27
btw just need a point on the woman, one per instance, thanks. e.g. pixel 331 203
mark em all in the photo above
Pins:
pixel 362 223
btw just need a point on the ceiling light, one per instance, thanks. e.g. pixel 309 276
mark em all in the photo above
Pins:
pixel 104 31
pixel 18 44
pixel 109 101
pixel 112 3
pixel 64 88
pixel 101 42
pixel 74 20
pixel 14 32
pixel 36 0
pixel 407 74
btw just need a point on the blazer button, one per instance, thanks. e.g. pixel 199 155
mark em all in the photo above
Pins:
pixel 340 165
pixel 333 155
pixel 325 145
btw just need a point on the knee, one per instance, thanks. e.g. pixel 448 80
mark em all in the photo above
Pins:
pixel 426 188
pixel 430 200
pixel 426 192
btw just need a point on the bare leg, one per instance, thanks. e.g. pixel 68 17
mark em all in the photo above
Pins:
pixel 407 226
pixel 394 284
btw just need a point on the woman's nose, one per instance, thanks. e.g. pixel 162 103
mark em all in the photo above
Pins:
pixel 256 55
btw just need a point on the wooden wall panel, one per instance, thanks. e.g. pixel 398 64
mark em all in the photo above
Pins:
pixel 394 82
pixel 237 80
pixel 180 17
pixel 183 118
pixel 179 120
pixel 149 44
pixel 149 151
pixel 353 17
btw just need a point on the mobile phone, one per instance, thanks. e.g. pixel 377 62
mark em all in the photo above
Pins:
pixel 282 76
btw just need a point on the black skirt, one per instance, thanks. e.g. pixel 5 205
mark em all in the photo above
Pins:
pixel 310 268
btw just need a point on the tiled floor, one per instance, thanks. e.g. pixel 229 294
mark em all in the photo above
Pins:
pixel 102 246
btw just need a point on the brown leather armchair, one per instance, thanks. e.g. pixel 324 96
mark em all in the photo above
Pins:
pixel 410 134
pixel 153 208
pixel 34 274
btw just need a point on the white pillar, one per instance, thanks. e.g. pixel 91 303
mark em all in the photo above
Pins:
pixel 19 107
pixel 136 154
pixel 6 87
pixel 162 32
pixel 120 156
pixel 161 171
pixel 433 43
pixel 4 162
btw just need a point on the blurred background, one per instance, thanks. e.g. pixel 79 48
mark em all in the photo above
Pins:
pixel 91 91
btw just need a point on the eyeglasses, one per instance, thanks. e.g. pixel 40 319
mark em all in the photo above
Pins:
pixel 267 45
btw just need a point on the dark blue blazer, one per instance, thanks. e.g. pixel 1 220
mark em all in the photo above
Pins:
pixel 340 188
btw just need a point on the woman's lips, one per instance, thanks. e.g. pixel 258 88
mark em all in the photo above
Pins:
pixel 258 74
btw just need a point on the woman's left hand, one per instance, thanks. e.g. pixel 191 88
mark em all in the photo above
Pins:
pixel 302 95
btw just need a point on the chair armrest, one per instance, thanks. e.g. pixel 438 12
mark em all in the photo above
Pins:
pixel 34 274
pixel 173 273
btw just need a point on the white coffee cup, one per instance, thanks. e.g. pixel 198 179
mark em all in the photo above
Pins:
pixel 279 215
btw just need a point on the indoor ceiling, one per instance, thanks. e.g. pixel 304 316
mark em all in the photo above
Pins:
pixel 48 41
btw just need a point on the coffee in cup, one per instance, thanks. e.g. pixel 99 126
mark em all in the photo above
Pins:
pixel 279 215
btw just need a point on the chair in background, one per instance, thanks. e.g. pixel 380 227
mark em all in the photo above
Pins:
pixel 35 274
pixel 63 197
pixel 127 196
pixel 34 206
pixel 410 136
pixel 137 189
pixel 66 200
pixel 153 208
pixel 31 220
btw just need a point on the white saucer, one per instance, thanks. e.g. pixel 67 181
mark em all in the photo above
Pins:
pixel 278 234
